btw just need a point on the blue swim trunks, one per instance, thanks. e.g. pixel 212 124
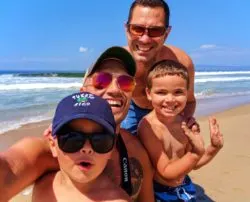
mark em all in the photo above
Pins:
pixel 185 192
pixel 135 114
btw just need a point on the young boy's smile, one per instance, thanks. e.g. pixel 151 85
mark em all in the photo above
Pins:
pixel 168 95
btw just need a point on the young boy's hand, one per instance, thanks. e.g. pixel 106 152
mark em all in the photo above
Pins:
pixel 195 139
pixel 216 137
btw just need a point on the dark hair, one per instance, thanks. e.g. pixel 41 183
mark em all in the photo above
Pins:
pixel 151 4
pixel 167 67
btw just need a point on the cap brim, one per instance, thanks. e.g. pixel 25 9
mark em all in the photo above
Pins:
pixel 117 53
pixel 106 125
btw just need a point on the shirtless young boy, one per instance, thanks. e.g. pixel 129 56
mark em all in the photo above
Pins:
pixel 82 140
pixel 174 149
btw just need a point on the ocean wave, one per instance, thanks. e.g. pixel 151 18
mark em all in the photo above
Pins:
pixel 212 94
pixel 13 125
pixel 221 79
pixel 221 73
pixel 39 86
pixel 7 76
pixel 53 74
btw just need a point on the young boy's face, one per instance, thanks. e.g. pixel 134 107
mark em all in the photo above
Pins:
pixel 85 164
pixel 168 95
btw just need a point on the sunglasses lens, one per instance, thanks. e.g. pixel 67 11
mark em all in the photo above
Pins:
pixel 71 142
pixel 126 83
pixel 102 80
pixel 156 31
pixel 102 143
pixel 136 30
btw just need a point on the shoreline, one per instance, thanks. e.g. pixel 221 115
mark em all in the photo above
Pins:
pixel 220 180
pixel 204 107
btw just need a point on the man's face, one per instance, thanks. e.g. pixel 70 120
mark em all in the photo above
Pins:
pixel 144 48
pixel 119 100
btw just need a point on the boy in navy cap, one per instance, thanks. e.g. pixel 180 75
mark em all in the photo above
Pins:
pixel 83 137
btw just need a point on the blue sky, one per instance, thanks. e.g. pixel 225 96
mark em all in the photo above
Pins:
pixel 69 35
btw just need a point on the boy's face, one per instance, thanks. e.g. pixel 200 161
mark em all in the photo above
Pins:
pixel 118 99
pixel 168 95
pixel 84 165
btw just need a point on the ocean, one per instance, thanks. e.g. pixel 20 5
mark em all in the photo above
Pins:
pixel 27 97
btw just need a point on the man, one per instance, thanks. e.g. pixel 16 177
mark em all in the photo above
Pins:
pixel 147 29
pixel 129 166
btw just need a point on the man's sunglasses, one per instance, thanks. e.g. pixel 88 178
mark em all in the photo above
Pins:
pixel 139 30
pixel 102 80
pixel 73 141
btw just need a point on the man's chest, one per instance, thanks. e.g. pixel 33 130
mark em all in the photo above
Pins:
pixel 119 170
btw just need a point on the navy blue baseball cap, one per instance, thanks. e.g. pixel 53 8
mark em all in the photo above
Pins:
pixel 83 105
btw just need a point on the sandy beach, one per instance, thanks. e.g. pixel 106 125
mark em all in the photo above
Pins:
pixel 225 179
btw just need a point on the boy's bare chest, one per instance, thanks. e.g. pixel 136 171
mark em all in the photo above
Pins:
pixel 175 142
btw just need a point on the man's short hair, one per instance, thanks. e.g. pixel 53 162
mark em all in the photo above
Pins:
pixel 151 4
pixel 167 67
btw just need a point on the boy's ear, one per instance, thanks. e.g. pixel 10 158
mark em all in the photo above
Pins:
pixel 52 145
pixel 148 94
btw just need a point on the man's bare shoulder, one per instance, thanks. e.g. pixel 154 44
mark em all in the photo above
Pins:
pixel 132 143
pixel 140 165
pixel 177 54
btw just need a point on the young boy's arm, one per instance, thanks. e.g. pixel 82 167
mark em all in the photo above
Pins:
pixel 170 169
pixel 216 144
pixel 22 164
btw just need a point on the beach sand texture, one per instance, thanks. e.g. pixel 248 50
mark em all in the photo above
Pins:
pixel 225 179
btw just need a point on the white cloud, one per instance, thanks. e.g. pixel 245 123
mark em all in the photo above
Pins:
pixel 208 46
pixel 83 49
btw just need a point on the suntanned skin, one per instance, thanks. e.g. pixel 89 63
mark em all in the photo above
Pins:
pixel 44 191
pixel 22 164
pixel 148 50
pixel 140 166
pixel 174 149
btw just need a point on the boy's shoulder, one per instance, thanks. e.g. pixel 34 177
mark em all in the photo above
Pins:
pixel 105 191
pixel 43 188
pixel 150 124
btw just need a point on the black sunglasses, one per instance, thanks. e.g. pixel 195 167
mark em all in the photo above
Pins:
pixel 139 30
pixel 73 141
